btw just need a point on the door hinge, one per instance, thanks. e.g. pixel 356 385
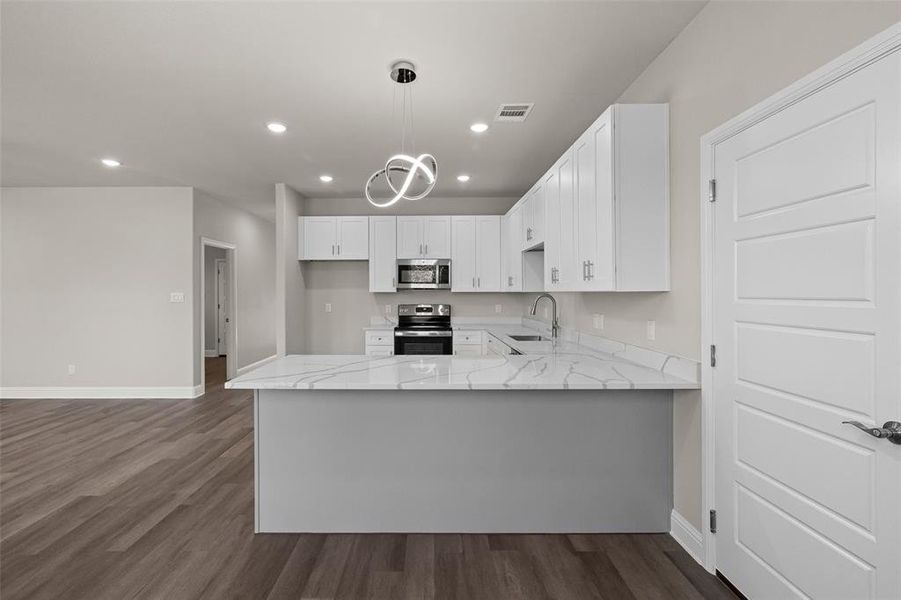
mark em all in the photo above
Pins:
pixel 712 521
pixel 712 189
pixel 712 355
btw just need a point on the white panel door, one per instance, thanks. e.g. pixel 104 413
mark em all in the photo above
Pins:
pixel 806 325
pixel 569 275
pixel 409 237
pixel 382 254
pixel 319 238
pixel 463 261
pixel 221 307
pixel 353 238
pixel 488 254
pixel 437 238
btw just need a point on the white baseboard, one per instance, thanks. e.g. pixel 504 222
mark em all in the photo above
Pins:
pixel 210 353
pixel 259 363
pixel 55 393
pixel 687 536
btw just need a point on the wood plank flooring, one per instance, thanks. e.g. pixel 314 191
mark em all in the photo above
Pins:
pixel 153 499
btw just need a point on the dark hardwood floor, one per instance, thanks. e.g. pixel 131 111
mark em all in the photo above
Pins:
pixel 153 499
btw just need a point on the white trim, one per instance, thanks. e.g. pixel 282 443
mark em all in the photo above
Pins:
pixel 211 353
pixel 259 363
pixel 81 393
pixel 687 536
pixel 875 48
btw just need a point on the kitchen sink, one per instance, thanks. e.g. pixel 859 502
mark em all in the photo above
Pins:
pixel 529 338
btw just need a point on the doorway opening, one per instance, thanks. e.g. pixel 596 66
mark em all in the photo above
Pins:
pixel 218 299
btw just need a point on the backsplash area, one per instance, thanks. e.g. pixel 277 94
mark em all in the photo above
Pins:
pixel 344 285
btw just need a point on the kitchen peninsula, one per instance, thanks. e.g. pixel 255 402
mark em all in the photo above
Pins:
pixel 562 438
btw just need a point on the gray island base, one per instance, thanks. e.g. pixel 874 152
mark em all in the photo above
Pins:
pixel 471 460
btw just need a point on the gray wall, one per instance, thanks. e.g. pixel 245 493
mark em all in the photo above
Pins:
pixel 729 58
pixel 290 284
pixel 210 312
pixel 255 274
pixel 87 274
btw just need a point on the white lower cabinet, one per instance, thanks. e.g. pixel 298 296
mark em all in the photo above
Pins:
pixel 382 254
pixel 379 342
pixel 476 254
pixel 495 346
pixel 469 343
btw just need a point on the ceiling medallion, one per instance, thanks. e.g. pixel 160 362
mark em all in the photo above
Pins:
pixel 407 176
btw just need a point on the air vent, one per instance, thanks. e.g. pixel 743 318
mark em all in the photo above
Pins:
pixel 513 113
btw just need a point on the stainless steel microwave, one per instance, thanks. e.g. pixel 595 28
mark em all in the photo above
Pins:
pixel 423 274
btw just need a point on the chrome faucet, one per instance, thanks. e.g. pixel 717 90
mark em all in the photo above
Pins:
pixel 554 326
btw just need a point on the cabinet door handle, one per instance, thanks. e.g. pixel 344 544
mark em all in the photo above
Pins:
pixel 590 270
pixel 426 248
pixel 478 282
pixel 333 249
pixel 473 282
pixel 420 249
pixel 393 283
pixel 339 249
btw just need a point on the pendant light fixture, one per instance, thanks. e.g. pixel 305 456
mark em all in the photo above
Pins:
pixel 407 176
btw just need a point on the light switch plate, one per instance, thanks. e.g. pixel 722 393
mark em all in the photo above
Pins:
pixel 328 307
pixel 598 321
pixel 71 369
pixel 387 309
pixel 176 297
pixel 652 330
pixel 498 308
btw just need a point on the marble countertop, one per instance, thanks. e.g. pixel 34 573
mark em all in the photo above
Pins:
pixel 565 364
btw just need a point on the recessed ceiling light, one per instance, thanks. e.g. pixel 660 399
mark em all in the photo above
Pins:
pixel 326 178
pixel 479 127
pixel 110 162
pixel 462 178
pixel 276 127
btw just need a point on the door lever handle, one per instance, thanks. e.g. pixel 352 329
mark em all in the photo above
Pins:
pixel 891 430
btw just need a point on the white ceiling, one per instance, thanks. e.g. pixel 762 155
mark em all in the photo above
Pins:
pixel 181 92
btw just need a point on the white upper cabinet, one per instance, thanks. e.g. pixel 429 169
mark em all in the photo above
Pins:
pixel 559 190
pixel 333 238
pixel 533 217
pixel 318 238
pixel 409 237
pixel 476 260
pixel 463 261
pixel 607 205
pixel 353 238
pixel 437 239
pixel 511 240
pixel 382 254
pixel 488 253
pixel 424 237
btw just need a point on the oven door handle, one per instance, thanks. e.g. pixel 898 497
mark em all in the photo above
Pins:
pixel 423 333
